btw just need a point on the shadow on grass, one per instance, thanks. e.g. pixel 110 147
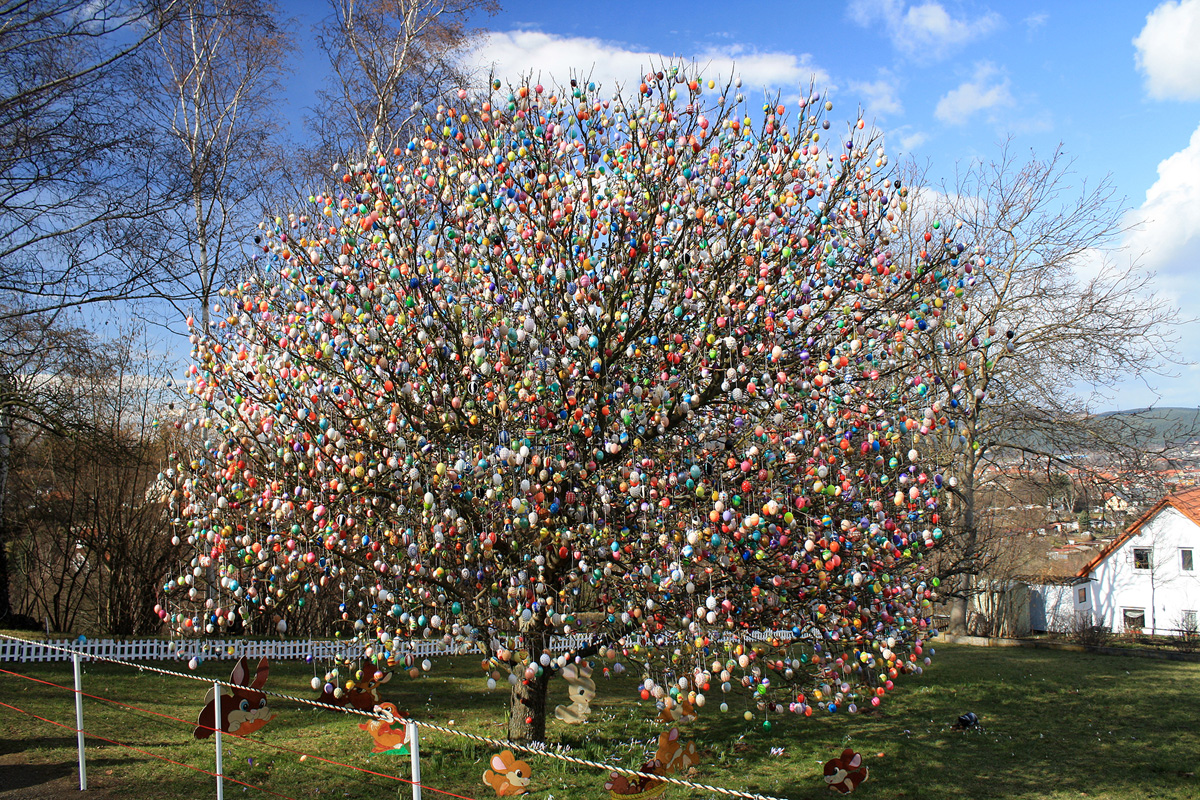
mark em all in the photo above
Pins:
pixel 35 773
pixel 25 776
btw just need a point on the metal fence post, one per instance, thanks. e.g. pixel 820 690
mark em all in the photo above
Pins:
pixel 217 735
pixel 414 747
pixel 79 723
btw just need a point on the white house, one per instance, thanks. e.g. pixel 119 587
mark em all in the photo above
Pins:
pixel 1145 580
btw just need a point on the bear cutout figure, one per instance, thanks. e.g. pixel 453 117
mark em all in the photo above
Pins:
pixel 510 778
pixel 582 690
pixel 362 694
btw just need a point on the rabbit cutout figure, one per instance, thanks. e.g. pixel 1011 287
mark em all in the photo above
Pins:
pixel 243 708
pixel 511 777
pixel 582 690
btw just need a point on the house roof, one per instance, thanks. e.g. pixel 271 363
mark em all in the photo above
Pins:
pixel 1186 502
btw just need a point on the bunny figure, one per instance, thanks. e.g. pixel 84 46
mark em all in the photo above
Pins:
pixel 243 708
pixel 582 690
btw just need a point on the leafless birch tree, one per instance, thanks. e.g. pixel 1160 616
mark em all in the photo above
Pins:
pixel 1063 318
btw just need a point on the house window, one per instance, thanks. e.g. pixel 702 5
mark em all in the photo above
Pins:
pixel 1082 595
pixel 1134 619
pixel 1141 558
pixel 1188 618
pixel 1185 559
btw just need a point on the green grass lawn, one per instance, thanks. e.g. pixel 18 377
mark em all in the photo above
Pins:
pixel 1055 725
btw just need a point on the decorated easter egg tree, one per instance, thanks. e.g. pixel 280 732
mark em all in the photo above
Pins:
pixel 638 364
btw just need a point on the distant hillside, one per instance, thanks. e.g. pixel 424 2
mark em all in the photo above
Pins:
pixel 1162 425
pixel 1150 428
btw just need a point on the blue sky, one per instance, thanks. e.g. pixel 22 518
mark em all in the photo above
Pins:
pixel 1116 83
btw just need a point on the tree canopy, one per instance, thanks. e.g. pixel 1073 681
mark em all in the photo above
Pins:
pixel 641 364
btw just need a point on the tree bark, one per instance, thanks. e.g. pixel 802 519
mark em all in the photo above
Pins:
pixel 5 453
pixel 959 602
pixel 527 711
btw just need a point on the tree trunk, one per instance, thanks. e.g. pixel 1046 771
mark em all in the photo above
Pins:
pixel 527 711
pixel 5 453
pixel 957 625
pixel 961 590
pixel 527 722
pixel 5 601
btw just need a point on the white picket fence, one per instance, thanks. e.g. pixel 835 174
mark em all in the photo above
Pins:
pixel 280 649
pixel 186 649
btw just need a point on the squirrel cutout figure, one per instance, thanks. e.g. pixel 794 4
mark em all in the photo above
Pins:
pixel 511 777
pixel 243 708
pixel 388 739
pixel 582 690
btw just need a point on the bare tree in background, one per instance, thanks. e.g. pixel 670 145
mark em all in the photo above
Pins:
pixel 1061 322
pixel 71 149
pixel 89 510
pixel 212 77
pixel 387 56
pixel 41 359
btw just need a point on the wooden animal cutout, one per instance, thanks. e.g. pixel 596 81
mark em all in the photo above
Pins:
pixel 623 787
pixel 391 738
pixel 683 711
pixel 243 708
pixel 582 690
pixel 673 756
pixel 511 777
pixel 846 772
pixel 361 694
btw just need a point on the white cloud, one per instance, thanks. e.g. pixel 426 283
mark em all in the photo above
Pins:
pixel 926 31
pixel 878 97
pixel 1035 21
pixel 765 70
pixel 909 139
pixel 1165 241
pixel 1167 52
pixel 512 54
pixel 1169 219
pixel 987 89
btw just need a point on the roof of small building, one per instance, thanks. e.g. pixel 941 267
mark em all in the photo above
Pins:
pixel 1186 502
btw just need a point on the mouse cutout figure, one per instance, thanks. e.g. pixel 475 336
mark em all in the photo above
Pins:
pixel 844 773
pixel 581 689
pixel 243 708
pixel 510 778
